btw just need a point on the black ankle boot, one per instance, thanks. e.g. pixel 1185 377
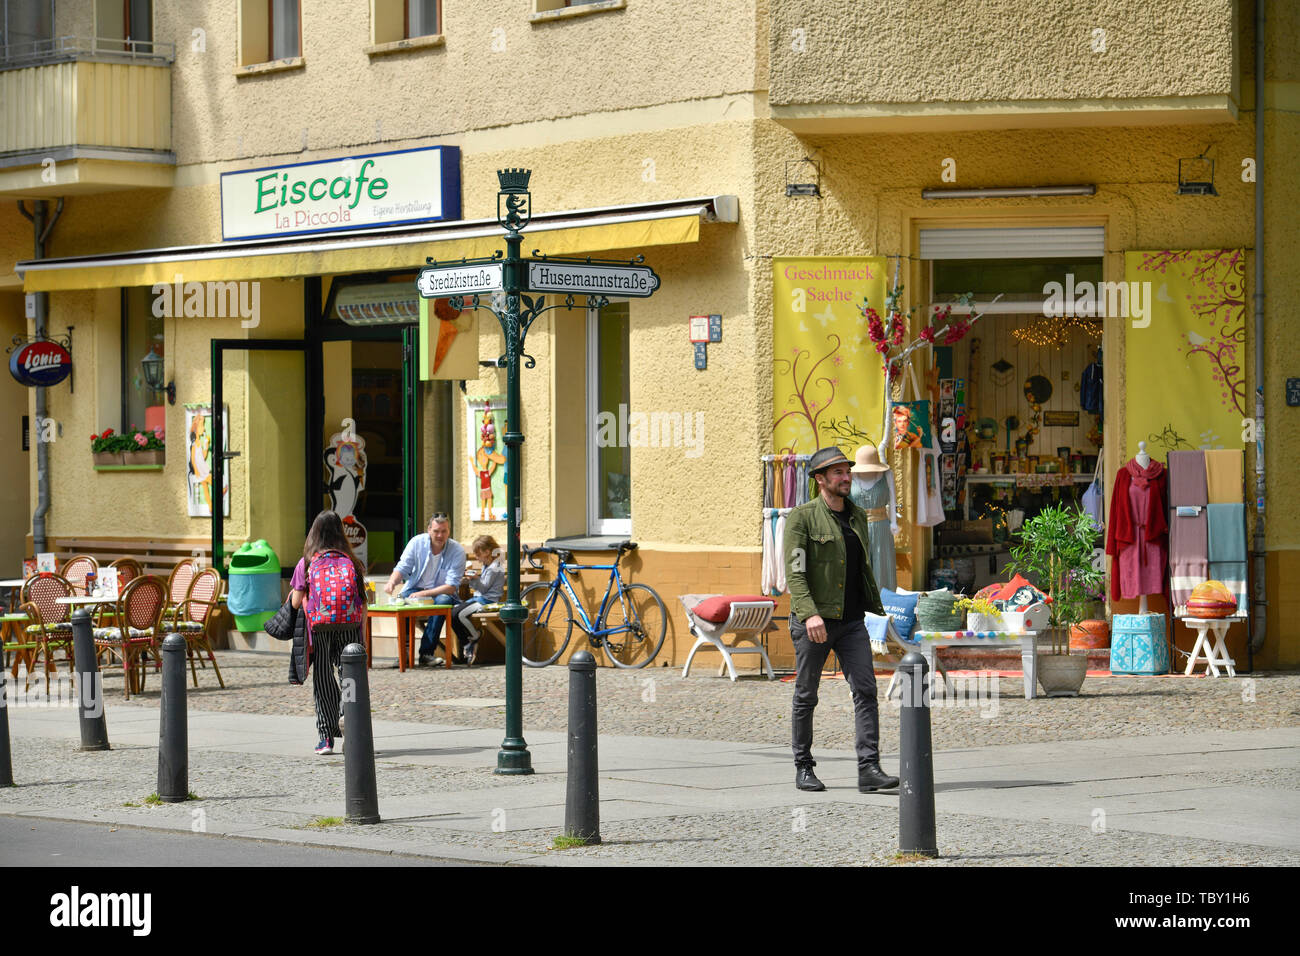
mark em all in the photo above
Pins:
pixel 805 779
pixel 872 778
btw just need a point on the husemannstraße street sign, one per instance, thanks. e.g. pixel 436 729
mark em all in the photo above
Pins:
pixel 579 278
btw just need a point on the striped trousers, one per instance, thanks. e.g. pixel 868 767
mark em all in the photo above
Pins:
pixel 327 643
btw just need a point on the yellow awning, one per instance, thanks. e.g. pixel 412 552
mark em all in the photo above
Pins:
pixel 563 234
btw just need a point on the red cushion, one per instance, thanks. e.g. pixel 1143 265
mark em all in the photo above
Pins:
pixel 715 609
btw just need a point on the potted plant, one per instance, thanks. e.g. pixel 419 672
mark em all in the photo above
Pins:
pixel 146 447
pixel 1055 552
pixel 107 448
pixel 981 615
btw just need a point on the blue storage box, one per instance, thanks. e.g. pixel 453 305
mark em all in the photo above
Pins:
pixel 1138 644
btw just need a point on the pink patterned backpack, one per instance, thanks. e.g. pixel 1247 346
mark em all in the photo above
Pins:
pixel 332 581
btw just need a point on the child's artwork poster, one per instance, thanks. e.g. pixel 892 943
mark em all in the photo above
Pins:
pixel 198 457
pixel 487 458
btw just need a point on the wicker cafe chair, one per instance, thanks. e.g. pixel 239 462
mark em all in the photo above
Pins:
pixel 178 586
pixel 51 626
pixel 76 568
pixel 192 616
pixel 135 635
pixel 128 569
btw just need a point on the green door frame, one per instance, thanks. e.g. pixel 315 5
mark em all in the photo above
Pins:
pixel 221 453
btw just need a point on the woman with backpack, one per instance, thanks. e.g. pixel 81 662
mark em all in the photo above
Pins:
pixel 328 583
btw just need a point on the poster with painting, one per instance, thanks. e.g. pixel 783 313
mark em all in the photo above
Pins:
pixel 198 457
pixel 487 458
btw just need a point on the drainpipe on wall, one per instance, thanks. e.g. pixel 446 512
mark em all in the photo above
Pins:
pixel 1259 549
pixel 41 229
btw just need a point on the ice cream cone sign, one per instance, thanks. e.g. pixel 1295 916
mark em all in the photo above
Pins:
pixel 447 316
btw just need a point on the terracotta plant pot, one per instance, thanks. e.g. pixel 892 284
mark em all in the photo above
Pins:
pixel 1061 675
pixel 107 457
pixel 1089 635
pixel 154 457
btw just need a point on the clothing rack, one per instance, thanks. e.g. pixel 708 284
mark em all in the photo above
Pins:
pixel 785 480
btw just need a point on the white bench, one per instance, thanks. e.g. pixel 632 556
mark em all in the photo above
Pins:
pixel 747 620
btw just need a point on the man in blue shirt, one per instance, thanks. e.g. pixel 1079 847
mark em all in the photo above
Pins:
pixel 432 566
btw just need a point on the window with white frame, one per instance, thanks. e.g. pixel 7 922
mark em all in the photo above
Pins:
pixel 609 459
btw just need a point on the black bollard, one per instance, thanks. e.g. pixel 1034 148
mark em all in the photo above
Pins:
pixel 916 767
pixel 90 686
pixel 173 725
pixel 362 794
pixel 582 800
pixel 6 765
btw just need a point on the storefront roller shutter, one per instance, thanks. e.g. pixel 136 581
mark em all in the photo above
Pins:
pixel 1053 242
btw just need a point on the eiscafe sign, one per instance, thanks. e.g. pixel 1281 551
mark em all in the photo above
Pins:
pixel 355 192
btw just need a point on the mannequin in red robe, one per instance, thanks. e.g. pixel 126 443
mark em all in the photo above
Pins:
pixel 1137 536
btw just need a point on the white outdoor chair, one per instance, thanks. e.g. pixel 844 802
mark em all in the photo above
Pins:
pixel 747 620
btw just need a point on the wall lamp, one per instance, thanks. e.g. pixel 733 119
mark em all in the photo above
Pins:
pixel 1200 167
pixel 992 191
pixel 803 189
pixel 152 367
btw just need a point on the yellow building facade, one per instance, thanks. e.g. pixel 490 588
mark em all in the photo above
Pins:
pixel 650 130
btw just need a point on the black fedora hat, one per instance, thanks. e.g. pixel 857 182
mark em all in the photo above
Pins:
pixel 823 458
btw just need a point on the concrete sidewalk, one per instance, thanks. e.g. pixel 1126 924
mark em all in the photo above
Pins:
pixel 1210 798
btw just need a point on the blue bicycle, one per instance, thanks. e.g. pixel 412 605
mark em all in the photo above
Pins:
pixel 629 627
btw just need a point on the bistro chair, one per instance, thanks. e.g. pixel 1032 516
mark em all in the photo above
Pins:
pixel 178 585
pixel 15 640
pixel 51 625
pixel 76 568
pixel 128 569
pixel 191 618
pixel 135 633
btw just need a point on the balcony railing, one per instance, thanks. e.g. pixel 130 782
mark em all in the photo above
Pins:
pixel 61 49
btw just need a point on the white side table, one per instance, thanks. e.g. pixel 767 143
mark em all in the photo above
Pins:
pixel 1215 653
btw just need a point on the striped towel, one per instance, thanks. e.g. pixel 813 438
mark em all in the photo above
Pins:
pixel 1233 576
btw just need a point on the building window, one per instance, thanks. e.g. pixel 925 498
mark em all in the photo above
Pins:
pixel 609 457
pixel 395 20
pixel 128 21
pixel 26 27
pixel 269 30
pixel 143 405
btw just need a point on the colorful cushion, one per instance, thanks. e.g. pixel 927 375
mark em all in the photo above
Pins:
pixel 64 628
pixel 715 610
pixel 1018 594
pixel 188 627
pixel 902 608
pixel 114 634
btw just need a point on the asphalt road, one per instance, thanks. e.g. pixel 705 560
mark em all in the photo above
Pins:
pixel 28 841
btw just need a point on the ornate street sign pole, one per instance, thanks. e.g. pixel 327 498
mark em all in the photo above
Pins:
pixel 519 276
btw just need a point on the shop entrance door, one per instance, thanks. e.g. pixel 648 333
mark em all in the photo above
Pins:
pixel 259 441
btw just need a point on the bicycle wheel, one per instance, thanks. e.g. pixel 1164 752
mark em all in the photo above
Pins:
pixel 548 626
pixel 640 609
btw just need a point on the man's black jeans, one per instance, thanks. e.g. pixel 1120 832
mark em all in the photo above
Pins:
pixel 852 645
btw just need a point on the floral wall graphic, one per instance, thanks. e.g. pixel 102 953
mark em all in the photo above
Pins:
pixel 1185 370
pixel 828 386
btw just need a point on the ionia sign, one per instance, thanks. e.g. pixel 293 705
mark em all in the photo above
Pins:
pixel 41 363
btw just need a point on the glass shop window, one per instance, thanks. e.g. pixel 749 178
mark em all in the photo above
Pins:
pixel 145 371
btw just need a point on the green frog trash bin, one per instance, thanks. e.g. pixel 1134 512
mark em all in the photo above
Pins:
pixel 254 585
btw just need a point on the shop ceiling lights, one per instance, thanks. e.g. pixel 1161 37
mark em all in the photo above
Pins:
pixel 1001 191
pixel 384 303
pixel 1055 332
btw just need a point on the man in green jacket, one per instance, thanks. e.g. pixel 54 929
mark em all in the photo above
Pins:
pixel 831 586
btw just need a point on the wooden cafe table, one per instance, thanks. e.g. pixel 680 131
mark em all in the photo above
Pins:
pixel 406 615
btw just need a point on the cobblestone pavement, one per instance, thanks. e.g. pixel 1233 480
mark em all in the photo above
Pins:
pixel 237 791
pixel 658 702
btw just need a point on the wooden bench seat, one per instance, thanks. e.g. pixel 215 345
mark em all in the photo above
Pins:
pixel 156 555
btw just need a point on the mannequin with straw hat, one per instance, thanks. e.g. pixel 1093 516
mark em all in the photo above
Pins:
pixel 873 492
